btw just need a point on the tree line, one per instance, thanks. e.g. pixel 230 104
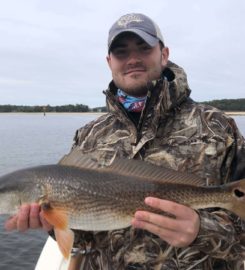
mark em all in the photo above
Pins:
pixel 228 104
pixel 48 108
pixel 222 104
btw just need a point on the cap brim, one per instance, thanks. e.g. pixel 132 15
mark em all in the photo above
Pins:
pixel 149 39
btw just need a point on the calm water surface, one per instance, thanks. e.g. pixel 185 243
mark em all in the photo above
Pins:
pixel 29 140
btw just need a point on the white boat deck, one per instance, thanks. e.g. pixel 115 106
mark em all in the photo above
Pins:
pixel 51 257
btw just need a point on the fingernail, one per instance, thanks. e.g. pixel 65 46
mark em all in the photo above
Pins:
pixel 149 200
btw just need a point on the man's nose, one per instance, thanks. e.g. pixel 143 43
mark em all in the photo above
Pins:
pixel 134 56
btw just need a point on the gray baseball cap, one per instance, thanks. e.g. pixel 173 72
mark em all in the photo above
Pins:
pixel 136 23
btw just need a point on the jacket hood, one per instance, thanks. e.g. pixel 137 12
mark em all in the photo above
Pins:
pixel 172 88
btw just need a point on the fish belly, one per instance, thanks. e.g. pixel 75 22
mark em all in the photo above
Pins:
pixel 104 221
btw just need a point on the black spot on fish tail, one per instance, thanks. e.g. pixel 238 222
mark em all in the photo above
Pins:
pixel 238 193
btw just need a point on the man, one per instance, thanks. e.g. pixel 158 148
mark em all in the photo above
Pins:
pixel 152 117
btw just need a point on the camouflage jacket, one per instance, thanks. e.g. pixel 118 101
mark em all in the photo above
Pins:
pixel 175 132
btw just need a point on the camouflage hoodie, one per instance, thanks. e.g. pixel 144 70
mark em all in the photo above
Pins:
pixel 175 132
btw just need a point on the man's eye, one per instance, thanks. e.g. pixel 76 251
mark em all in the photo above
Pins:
pixel 119 52
pixel 146 48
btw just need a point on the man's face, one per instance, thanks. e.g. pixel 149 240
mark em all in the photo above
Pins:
pixel 134 63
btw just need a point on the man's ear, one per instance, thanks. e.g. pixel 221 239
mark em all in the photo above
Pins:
pixel 108 58
pixel 165 55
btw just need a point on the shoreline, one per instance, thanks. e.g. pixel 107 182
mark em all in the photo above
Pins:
pixel 47 113
pixel 235 113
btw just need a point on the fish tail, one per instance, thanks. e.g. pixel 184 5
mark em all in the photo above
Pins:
pixel 237 204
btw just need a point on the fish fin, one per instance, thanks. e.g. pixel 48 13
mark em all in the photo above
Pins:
pixel 56 217
pixel 131 167
pixel 65 239
pixel 79 160
pixel 146 170
pixel 59 219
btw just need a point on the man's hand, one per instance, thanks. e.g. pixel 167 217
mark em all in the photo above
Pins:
pixel 28 217
pixel 178 232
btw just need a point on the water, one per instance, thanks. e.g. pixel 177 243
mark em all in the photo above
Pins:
pixel 32 139
pixel 240 120
pixel 29 140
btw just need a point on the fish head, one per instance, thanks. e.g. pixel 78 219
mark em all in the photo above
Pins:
pixel 18 188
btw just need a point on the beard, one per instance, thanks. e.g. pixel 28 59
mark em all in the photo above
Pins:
pixel 137 85
pixel 136 90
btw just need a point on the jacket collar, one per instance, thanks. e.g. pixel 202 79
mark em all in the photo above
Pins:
pixel 170 90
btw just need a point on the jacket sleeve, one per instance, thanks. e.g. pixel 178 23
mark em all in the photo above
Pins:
pixel 222 234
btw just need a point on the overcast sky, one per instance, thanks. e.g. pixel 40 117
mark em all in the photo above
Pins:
pixel 54 51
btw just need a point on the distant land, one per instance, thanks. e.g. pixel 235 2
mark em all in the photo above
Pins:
pixel 230 105
pixel 48 108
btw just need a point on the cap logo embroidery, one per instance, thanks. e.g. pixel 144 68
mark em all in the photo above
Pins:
pixel 125 20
